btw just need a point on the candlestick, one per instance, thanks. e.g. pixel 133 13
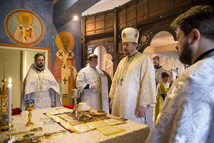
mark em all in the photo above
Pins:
pixel 9 100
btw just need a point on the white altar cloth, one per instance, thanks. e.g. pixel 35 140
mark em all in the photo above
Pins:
pixel 134 132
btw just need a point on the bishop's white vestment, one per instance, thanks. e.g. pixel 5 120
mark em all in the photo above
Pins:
pixel 93 97
pixel 187 115
pixel 42 87
pixel 133 85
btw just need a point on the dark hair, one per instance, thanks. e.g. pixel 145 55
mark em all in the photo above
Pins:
pixel 38 55
pixel 157 57
pixel 199 17
pixel 90 57
pixel 164 74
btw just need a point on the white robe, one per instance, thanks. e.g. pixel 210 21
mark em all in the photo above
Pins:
pixel 137 88
pixel 31 88
pixel 158 76
pixel 86 76
pixel 188 112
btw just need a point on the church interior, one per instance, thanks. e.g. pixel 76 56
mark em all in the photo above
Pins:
pixel 91 27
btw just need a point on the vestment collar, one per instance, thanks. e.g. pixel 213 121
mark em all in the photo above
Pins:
pixel 204 55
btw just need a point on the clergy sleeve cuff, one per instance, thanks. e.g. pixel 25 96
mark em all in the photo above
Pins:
pixel 88 86
pixel 52 94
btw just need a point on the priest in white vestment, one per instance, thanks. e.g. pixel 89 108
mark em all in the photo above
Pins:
pixel 187 115
pixel 89 81
pixel 159 70
pixel 133 87
pixel 40 85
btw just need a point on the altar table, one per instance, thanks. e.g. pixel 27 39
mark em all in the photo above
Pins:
pixel 134 132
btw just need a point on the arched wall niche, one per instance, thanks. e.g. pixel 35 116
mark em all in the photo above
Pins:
pixel 104 49
pixel 108 44
pixel 146 36
pixel 163 45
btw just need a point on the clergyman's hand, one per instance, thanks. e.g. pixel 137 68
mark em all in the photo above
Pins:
pixel 53 104
pixel 141 111
pixel 94 86
pixel 111 104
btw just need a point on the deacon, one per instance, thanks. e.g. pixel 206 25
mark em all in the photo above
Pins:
pixel 133 88
pixel 40 85
pixel 90 80
pixel 188 111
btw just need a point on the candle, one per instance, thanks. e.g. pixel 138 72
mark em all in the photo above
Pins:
pixel 9 100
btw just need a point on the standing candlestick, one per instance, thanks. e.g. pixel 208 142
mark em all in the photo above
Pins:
pixel 9 100
pixel 9 109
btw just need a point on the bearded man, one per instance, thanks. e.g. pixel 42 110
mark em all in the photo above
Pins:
pixel 133 87
pixel 158 69
pixel 40 85
pixel 188 111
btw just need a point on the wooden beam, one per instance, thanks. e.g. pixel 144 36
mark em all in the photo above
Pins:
pixel 115 40
pixel 84 48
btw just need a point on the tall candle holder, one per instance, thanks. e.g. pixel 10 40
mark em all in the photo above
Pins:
pixel 30 106
pixel 5 112
pixel 4 105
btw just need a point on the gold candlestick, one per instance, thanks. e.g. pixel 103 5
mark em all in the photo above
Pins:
pixel 4 104
pixel 30 106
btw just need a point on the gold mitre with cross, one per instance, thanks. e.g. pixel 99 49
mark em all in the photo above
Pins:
pixel 130 34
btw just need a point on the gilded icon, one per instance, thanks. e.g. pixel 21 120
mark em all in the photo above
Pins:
pixel 64 68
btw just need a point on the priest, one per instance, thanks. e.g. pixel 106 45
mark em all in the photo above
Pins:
pixel 133 88
pixel 94 84
pixel 188 111
pixel 40 85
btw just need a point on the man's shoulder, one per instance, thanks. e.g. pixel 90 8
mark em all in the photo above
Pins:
pixel 143 57
pixel 83 69
pixel 162 69
pixel 201 73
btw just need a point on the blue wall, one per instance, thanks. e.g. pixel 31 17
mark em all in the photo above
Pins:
pixel 44 9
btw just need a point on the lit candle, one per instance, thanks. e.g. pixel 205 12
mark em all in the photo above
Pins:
pixel 9 100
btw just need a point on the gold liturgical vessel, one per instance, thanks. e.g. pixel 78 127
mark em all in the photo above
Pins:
pixel 4 105
pixel 30 106
pixel 75 93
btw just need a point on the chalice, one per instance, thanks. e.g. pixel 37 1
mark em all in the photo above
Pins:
pixel 30 106
pixel 75 93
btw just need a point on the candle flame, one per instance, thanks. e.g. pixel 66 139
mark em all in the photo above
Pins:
pixel 9 80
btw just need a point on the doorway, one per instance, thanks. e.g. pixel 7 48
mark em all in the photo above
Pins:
pixel 18 60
